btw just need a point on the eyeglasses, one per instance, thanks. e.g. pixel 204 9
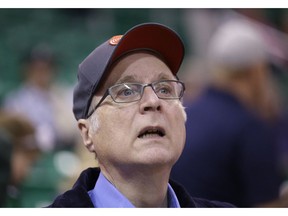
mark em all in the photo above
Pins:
pixel 130 92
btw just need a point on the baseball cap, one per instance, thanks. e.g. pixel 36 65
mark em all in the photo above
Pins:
pixel 155 37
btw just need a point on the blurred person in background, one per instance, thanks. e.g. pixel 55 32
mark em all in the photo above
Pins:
pixel 44 101
pixel 231 152
pixel 21 152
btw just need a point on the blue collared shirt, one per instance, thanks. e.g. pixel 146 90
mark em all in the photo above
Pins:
pixel 106 195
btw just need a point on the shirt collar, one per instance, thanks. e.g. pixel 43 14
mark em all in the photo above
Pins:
pixel 106 195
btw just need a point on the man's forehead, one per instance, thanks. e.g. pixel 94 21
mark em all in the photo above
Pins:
pixel 118 72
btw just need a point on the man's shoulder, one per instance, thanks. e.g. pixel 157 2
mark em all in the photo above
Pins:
pixel 72 198
pixel 204 203
pixel 78 195
pixel 187 201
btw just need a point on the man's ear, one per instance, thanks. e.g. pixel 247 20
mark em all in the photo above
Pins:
pixel 84 127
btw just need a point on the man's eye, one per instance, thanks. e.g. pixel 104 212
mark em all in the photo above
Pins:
pixel 127 92
pixel 164 91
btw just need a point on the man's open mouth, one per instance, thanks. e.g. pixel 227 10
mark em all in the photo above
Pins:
pixel 151 132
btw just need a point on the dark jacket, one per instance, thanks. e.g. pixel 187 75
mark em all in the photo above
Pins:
pixel 78 196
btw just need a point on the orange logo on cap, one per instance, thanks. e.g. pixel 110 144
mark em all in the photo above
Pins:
pixel 115 40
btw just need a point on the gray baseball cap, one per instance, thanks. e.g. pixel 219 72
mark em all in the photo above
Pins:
pixel 148 36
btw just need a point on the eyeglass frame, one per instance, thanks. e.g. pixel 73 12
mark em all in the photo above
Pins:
pixel 107 92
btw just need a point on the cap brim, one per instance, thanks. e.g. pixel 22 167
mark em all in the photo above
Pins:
pixel 155 37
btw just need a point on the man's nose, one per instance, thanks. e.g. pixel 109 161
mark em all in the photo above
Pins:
pixel 149 101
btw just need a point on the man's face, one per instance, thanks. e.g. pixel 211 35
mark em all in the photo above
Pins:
pixel 122 138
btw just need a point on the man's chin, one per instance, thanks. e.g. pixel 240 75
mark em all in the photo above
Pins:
pixel 157 158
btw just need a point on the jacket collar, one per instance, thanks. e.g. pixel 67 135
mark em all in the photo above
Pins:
pixel 78 195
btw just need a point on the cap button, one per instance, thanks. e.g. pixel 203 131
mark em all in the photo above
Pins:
pixel 115 40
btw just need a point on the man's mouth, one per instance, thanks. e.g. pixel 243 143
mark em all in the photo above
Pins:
pixel 151 132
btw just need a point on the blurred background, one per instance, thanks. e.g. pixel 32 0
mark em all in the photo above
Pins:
pixel 40 50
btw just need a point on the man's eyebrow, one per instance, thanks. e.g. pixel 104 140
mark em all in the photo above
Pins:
pixel 126 79
pixel 164 76
pixel 132 78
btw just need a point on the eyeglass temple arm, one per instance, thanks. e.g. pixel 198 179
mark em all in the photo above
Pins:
pixel 98 104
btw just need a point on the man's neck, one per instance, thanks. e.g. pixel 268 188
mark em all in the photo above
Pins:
pixel 142 188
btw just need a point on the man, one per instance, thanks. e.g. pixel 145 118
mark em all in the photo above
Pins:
pixel 128 108
pixel 231 150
